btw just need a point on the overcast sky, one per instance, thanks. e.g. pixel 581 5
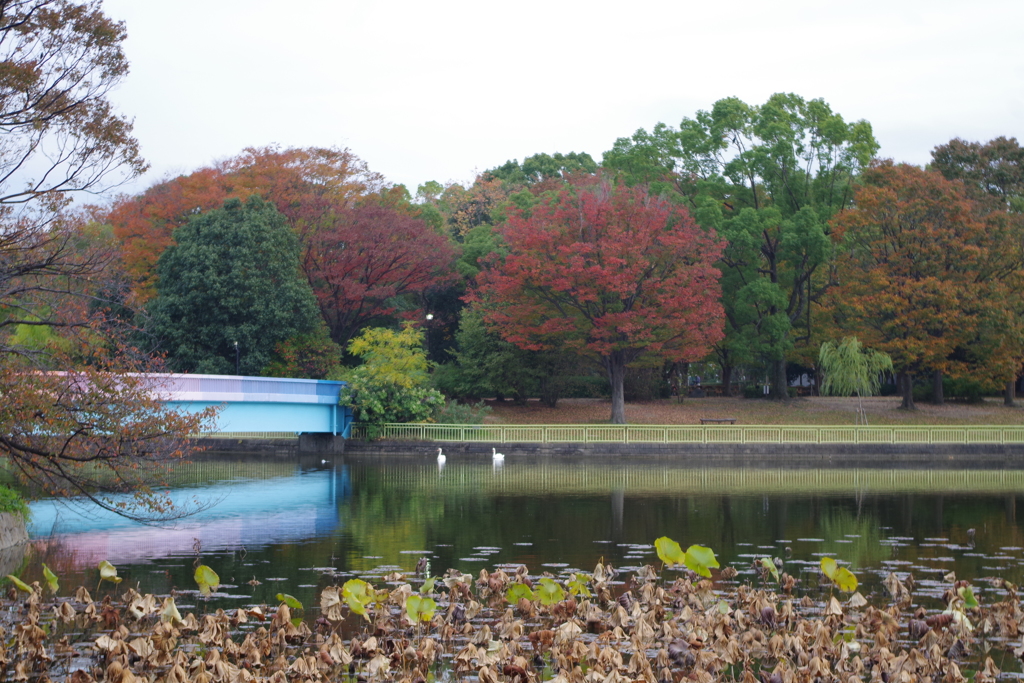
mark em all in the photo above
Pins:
pixel 438 91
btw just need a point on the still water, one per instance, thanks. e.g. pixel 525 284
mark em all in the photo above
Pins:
pixel 277 525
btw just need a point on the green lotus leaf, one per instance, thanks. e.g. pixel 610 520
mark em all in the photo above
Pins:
pixel 845 580
pixel 550 592
pixel 51 579
pixel 829 567
pixel 517 592
pixel 669 551
pixel 108 572
pixel 289 600
pixel 19 584
pixel 701 560
pixel 419 608
pixel 967 593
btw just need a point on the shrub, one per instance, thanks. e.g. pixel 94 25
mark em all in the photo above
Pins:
pixel 963 389
pixel 753 391
pixel 392 384
pixel 11 501
pixel 456 413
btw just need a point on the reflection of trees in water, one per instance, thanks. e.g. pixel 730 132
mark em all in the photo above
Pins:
pixel 862 530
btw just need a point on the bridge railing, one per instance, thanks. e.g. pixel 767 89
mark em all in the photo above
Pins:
pixel 696 434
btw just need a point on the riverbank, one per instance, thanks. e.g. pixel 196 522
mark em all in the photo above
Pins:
pixel 817 410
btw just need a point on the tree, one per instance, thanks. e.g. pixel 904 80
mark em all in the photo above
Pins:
pixel 993 169
pixel 543 167
pixel 61 134
pixel 76 418
pixel 993 172
pixel 920 269
pixel 310 355
pixel 608 271
pixel 486 365
pixel 366 258
pixel 851 369
pixel 233 276
pixel 308 186
pixel 767 178
pixel 393 383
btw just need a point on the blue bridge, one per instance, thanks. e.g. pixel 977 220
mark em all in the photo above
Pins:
pixel 260 406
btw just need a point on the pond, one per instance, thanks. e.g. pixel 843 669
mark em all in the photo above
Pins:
pixel 277 525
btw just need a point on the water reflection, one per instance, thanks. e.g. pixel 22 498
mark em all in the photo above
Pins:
pixel 237 514
pixel 359 515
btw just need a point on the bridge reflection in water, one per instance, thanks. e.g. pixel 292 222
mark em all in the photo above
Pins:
pixel 235 515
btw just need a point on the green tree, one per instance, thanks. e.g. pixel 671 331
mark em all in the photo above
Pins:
pixel 486 365
pixel 541 167
pixel 232 276
pixel 767 178
pixel 310 355
pixel 850 369
pixel 393 382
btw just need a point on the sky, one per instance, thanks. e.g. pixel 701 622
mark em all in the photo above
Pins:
pixel 441 91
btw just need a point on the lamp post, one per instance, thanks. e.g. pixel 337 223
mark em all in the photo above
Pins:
pixel 426 334
pixel 237 360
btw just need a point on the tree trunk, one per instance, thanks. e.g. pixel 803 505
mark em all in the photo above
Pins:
pixel 616 368
pixel 1009 394
pixel 727 380
pixel 906 385
pixel 937 397
pixel 780 385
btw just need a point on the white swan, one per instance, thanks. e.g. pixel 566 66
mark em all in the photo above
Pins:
pixel 441 458
pixel 496 456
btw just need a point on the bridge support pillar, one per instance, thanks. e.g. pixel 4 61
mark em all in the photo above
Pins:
pixel 314 442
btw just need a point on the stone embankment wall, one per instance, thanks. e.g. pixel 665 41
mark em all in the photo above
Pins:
pixel 816 455
pixel 13 542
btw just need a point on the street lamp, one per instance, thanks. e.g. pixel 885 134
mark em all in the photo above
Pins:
pixel 237 360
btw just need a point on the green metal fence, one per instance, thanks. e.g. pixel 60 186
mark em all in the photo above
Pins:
pixel 695 434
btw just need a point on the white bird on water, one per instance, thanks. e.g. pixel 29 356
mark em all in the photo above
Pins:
pixel 496 456
pixel 441 458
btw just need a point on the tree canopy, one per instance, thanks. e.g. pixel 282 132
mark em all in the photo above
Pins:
pixel 608 271
pixel 232 276
pixel 921 268
pixel 767 178
pixel 309 186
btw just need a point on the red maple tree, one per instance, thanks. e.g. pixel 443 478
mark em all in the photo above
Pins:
pixel 610 271
pixel 367 256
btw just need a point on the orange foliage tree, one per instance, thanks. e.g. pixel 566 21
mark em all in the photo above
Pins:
pixel 609 272
pixel 923 271
pixel 309 186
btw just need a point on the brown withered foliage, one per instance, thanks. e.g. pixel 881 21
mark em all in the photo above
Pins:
pixel 704 630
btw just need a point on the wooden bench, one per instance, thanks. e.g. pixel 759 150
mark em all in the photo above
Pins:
pixel 717 420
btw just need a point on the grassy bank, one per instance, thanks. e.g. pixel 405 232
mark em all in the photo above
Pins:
pixel 11 501
pixel 813 411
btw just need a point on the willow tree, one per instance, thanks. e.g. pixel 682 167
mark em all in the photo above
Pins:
pixel 850 369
